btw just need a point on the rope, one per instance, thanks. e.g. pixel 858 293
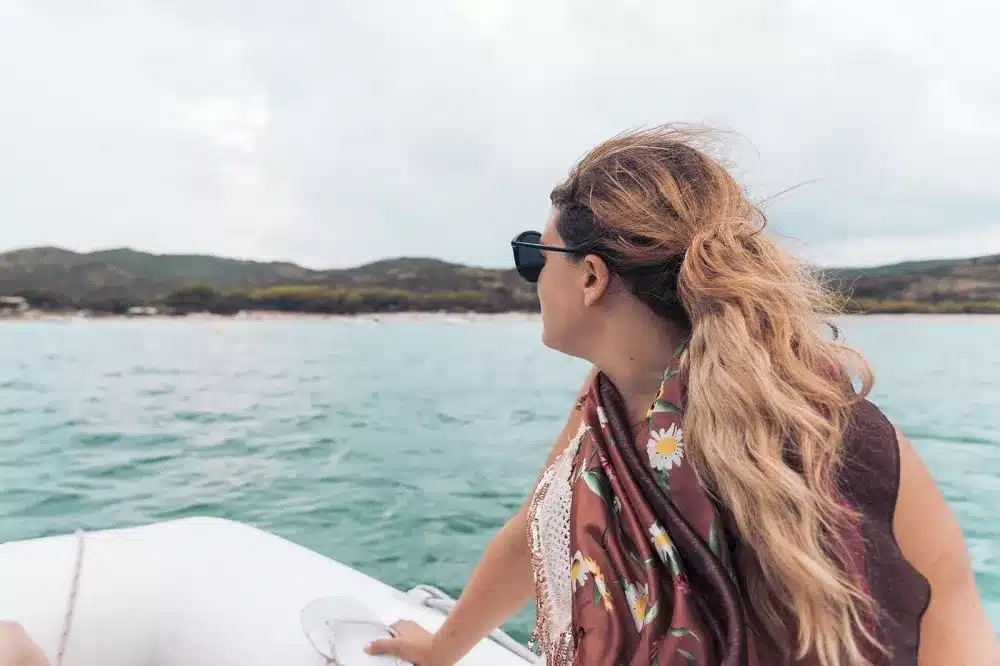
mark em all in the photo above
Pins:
pixel 71 603
pixel 438 600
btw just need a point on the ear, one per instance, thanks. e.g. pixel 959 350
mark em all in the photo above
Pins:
pixel 596 277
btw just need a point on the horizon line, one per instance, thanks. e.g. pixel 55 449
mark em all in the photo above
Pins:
pixel 125 248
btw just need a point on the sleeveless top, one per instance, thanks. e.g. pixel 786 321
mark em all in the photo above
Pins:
pixel 869 481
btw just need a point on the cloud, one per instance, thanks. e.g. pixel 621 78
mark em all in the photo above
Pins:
pixel 334 133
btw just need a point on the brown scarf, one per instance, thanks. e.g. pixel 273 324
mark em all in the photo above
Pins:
pixel 653 581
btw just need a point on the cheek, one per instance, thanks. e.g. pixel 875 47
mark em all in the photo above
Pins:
pixel 557 312
pixel 548 293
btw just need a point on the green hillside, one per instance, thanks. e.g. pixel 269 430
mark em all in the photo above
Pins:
pixel 114 280
pixel 961 285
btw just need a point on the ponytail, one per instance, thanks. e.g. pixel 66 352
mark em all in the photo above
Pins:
pixel 768 418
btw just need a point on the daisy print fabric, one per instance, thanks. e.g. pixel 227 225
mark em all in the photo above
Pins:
pixel 633 603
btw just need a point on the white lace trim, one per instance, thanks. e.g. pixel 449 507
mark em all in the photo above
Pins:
pixel 548 534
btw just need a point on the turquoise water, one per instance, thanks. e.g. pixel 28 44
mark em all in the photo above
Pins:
pixel 397 447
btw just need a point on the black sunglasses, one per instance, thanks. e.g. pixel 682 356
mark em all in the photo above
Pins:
pixel 528 257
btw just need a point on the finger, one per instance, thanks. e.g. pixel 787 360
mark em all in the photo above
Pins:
pixel 384 646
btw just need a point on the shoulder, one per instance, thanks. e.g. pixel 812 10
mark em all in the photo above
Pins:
pixel 931 540
pixel 925 578
pixel 926 528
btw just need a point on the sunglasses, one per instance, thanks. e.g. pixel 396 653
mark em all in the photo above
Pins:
pixel 528 257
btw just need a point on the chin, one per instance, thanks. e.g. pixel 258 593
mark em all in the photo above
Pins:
pixel 558 340
pixel 560 330
pixel 547 337
pixel 550 338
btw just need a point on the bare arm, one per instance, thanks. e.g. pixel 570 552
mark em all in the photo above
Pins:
pixel 955 629
pixel 17 648
pixel 499 586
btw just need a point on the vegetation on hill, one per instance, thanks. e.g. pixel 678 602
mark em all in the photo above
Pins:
pixel 936 286
pixel 113 281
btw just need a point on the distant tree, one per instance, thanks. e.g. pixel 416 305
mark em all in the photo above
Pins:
pixel 41 299
pixel 193 298
pixel 298 298
pixel 115 306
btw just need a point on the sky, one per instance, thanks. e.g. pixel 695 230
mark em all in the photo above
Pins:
pixel 335 133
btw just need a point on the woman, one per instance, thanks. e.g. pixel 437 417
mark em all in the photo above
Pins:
pixel 721 494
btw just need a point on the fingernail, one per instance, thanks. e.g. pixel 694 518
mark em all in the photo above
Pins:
pixel 368 648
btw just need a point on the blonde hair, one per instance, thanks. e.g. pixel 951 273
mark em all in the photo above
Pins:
pixel 768 395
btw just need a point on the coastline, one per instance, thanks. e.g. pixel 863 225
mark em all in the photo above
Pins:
pixel 456 317
pixel 275 316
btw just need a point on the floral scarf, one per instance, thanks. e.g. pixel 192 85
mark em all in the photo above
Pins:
pixel 653 581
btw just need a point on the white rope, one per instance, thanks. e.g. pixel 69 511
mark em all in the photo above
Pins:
pixel 437 599
pixel 71 603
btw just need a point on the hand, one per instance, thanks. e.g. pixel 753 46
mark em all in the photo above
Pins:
pixel 17 649
pixel 411 643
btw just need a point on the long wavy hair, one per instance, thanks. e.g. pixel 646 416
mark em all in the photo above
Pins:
pixel 768 394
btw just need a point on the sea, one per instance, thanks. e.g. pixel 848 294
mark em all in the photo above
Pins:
pixel 396 445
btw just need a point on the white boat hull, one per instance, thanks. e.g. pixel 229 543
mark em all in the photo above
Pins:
pixel 193 591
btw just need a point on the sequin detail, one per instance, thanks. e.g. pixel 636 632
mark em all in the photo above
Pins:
pixel 548 539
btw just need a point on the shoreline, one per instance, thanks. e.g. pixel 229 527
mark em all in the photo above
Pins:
pixel 273 316
pixel 376 317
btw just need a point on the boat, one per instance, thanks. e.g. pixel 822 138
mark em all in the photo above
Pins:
pixel 210 591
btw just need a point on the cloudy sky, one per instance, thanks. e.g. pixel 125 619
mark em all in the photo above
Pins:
pixel 332 133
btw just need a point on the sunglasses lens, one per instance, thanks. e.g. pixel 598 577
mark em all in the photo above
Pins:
pixel 529 260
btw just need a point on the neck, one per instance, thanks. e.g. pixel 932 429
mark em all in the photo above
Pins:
pixel 635 350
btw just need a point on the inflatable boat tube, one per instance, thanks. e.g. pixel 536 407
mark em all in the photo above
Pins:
pixel 209 591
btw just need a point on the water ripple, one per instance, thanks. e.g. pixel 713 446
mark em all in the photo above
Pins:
pixel 378 444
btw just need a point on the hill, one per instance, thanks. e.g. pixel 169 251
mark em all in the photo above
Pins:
pixel 135 275
pixel 114 280
pixel 963 285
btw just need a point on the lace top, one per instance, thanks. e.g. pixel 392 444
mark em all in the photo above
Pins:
pixel 548 538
